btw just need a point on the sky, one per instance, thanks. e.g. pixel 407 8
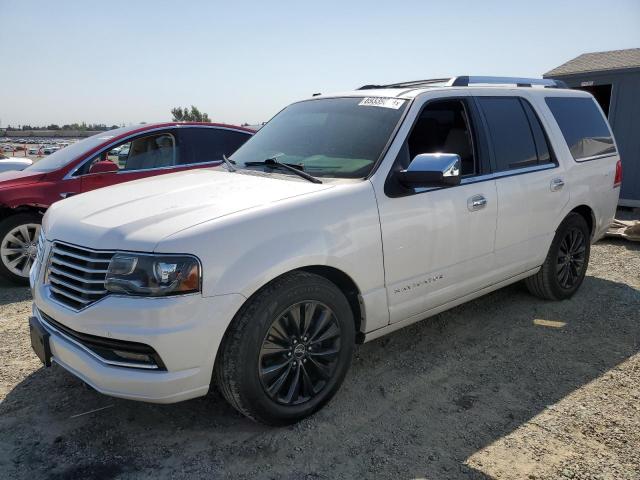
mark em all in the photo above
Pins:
pixel 118 62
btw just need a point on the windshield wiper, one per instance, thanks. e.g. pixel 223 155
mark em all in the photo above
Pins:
pixel 229 163
pixel 274 163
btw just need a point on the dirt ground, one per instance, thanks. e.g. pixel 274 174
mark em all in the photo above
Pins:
pixel 507 386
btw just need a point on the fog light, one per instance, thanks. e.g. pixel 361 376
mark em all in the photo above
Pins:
pixel 137 357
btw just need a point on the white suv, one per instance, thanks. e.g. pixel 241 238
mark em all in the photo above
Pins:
pixel 346 217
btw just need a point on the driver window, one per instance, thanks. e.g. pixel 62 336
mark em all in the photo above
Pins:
pixel 144 153
pixel 443 127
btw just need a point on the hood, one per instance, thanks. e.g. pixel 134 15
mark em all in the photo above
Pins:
pixel 137 215
pixel 22 177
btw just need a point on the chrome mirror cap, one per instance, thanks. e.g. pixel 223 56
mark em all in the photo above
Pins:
pixel 432 170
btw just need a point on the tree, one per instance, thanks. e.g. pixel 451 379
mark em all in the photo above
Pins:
pixel 185 115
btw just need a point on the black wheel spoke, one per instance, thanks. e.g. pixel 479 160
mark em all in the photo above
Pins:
pixel 274 370
pixel 294 320
pixel 320 368
pixel 294 387
pixel 325 353
pixel 275 387
pixel 323 322
pixel 309 311
pixel 571 258
pixel 331 332
pixel 299 353
pixel 307 383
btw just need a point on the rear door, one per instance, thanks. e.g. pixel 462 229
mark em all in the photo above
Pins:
pixel 531 185
pixel 205 146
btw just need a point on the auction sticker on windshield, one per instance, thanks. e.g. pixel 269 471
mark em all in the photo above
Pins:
pixel 383 102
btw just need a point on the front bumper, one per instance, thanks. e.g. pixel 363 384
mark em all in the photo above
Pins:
pixel 185 331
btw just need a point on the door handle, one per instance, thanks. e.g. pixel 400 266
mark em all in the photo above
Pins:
pixel 67 194
pixel 556 184
pixel 477 202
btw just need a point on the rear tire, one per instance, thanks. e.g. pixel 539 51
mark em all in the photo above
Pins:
pixel 18 239
pixel 566 264
pixel 288 349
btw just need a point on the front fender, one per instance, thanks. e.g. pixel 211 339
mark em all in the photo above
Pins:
pixel 338 228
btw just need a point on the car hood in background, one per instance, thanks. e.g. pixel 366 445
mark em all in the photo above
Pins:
pixel 8 164
pixel 137 215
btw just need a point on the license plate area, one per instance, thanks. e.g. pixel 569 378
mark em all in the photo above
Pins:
pixel 40 341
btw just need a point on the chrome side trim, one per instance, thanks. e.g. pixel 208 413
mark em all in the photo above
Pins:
pixel 53 330
pixel 596 157
pixel 171 167
pixel 508 173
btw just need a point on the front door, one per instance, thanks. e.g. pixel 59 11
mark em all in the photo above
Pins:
pixel 138 158
pixel 438 243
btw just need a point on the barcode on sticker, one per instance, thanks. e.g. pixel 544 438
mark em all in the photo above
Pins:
pixel 383 102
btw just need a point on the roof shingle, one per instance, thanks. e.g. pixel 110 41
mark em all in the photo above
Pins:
pixel 598 61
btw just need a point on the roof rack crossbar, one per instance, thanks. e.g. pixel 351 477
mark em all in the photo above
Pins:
pixel 466 80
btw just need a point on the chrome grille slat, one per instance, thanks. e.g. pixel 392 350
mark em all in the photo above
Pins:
pixel 76 275
pixel 54 270
pixel 70 295
pixel 81 257
pixel 55 279
pixel 71 265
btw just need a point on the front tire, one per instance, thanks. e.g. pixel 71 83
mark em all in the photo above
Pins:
pixel 566 264
pixel 18 238
pixel 288 349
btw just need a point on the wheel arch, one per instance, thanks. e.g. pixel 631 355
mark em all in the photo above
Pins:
pixel 350 290
pixel 340 279
pixel 6 212
pixel 587 213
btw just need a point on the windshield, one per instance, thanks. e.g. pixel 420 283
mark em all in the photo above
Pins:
pixel 66 155
pixel 333 137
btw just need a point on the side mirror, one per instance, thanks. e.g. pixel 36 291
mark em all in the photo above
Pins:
pixel 432 170
pixel 103 166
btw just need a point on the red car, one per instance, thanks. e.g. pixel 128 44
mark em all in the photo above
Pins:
pixel 105 159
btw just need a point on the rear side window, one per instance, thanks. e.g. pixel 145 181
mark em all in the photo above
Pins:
pixel 201 145
pixel 582 126
pixel 516 134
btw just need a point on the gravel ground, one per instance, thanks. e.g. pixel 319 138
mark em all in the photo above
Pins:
pixel 507 386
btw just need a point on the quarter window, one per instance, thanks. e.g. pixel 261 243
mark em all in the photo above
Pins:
pixel 582 125
pixel 201 145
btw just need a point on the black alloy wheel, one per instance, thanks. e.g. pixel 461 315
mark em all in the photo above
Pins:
pixel 299 353
pixel 571 255
pixel 287 350
pixel 565 265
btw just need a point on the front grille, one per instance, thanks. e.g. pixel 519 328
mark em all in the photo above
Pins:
pixel 76 275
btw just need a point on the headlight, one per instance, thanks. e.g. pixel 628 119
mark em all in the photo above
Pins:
pixel 153 275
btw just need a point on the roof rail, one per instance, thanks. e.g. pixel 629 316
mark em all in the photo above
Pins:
pixel 466 80
pixel 410 84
